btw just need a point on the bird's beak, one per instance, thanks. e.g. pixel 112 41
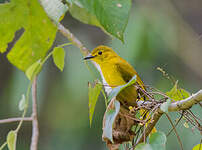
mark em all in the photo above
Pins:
pixel 88 57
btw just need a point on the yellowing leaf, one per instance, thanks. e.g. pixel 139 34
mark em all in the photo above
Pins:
pixel 93 94
pixel 33 70
pixel 11 140
pixel 197 147
pixel 38 36
pixel 177 94
pixel 58 57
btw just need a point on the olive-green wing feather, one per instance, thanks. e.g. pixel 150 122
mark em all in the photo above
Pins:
pixel 127 72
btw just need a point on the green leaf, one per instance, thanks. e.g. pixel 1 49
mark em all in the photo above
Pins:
pixel 157 141
pixel 197 147
pixel 11 140
pixel 177 94
pixel 164 106
pixel 54 8
pixel 83 15
pixel 112 15
pixel 110 117
pixel 117 90
pixel 21 105
pixel 39 31
pixel 143 146
pixel 93 93
pixel 33 70
pixel 59 57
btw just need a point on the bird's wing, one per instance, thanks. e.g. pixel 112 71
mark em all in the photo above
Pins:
pixel 127 72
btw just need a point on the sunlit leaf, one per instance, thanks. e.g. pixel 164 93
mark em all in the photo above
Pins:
pixel 33 70
pixel 21 105
pixel 157 141
pixel 164 106
pixel 11 140
pixel 177 94
pixel 117 90
pixel 197 147
pixel 143 146
pixel 110 117
pixel 58 57
pixel 39 31
pixel 93 93
pixel 54 8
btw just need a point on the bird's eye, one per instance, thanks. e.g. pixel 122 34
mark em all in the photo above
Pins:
pixel 100 52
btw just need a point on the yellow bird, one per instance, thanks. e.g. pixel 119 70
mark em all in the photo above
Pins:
pixel 116 71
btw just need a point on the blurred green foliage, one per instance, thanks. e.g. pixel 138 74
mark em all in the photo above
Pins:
pixel 150 42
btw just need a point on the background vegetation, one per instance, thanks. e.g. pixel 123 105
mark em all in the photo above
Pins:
pixel 165 35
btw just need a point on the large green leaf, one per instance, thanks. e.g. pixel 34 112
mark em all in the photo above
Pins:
pixel 157 141
pixel 37 38
pixel 110 117
pixel 111 14
pixel 177 94
pixel 117 90
pixel 93 93
pixel 83 15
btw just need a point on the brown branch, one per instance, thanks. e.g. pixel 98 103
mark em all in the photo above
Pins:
pixel 186 103
pixel 9 120
pixel 180 105
pixel 73 39
pixel 35 126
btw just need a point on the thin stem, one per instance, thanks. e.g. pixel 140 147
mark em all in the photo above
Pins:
pixel 26 106
pixel 35 126
pixel 175 125
pixel 178 137
pixel 3 145
pixel 9 120
pixel 65 44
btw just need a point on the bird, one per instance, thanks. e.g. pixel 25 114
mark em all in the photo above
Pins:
pixel 115 71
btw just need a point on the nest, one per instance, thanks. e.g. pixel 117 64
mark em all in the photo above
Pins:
pixel 131 127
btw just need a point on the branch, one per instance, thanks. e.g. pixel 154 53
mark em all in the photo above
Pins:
pixel 9 120
pixel 73 39
pixel 186 103
pixel 180 105
pixel 176 106
pixel 35 127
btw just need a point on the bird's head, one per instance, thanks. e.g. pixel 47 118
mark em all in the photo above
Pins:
pixel 102 54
